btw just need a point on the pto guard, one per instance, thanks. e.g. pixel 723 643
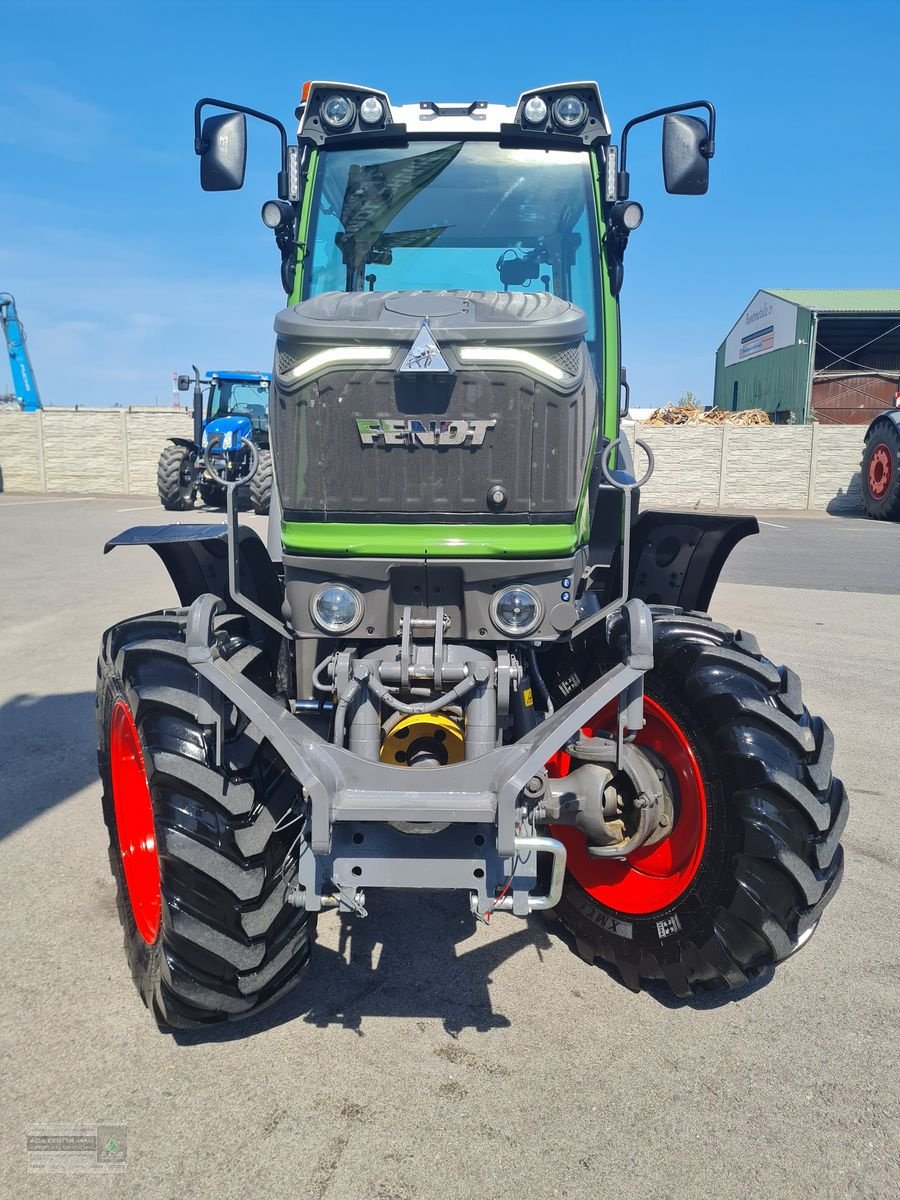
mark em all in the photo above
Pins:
pixel 353 802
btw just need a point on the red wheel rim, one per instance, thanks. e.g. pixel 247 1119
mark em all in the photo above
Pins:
pixel 653 877
pixel 134 822
pixel 881 468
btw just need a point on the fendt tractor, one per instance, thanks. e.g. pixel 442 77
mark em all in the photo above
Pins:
pixel 234 413
pixel 879 475
pixel 464 660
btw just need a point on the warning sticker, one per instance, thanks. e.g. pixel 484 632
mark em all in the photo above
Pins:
pixel 667 927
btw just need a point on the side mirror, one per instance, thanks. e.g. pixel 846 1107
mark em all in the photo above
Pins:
pixel 685 165
pixel 223 156
pixel 184 383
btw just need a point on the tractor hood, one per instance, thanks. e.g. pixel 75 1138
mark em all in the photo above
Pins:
pixel 230 429
pixel 461 316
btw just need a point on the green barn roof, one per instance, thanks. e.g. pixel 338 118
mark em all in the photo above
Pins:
pixel 841 300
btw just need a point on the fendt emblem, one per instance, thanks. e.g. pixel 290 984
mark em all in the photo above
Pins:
pixel 423 433
pixel 424 354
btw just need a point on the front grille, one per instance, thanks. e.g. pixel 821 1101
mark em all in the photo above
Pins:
pixel 567 358
pixel 536 450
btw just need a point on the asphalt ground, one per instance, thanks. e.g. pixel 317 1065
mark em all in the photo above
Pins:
pixel 424 1056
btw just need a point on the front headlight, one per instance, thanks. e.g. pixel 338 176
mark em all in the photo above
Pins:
pixel 336 609
pixel 516 611
pixel 570 112
pixel 338 112
pixel 228 440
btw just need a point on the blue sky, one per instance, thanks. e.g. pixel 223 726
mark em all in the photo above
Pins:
pixel 124 271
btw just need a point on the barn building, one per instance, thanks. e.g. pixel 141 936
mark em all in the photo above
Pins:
pixel 830 355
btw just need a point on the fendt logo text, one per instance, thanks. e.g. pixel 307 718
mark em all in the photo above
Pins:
pixel 423 433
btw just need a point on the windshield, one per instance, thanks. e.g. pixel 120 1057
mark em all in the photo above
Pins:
pixel 468 215
pixel 237 397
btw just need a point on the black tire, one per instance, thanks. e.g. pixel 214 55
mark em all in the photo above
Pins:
pixel 212 494
pixel 772 858
pixel 261 484
pixel 227 943
pixel 175 478
pixel 882 446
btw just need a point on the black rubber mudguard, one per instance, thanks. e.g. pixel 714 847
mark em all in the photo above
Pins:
pixel 676 558
pixel 196 557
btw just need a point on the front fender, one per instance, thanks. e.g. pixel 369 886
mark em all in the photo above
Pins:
pixel 890 417
pixel 676 558
pixel 196 557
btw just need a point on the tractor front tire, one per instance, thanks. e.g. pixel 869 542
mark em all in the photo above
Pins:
pixel 261 484
pixel 202 847
pixel 175 478
pixel 754 854
pixel 879 476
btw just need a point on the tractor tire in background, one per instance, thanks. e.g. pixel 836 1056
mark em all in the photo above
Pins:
pixel 175 478
pixel 261 484
pixel 754 854
pixel 879 476
pixel 202 850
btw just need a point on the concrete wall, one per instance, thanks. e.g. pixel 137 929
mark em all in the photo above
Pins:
pixel 115 451
pixel 754 467
pixel 99 450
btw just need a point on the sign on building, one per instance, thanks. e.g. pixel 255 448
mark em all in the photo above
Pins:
pixel 767 323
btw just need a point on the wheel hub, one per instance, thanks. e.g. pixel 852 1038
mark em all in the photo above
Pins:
pixel 653 876
pixel 880 472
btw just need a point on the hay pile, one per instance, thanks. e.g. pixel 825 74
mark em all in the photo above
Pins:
pixel 690 414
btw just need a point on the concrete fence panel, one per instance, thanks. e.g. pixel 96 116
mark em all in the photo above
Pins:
pixel 767 468
pixel 146 434
pixel 688 465
pixel 836 481
pixel 83 451
pixel 21 452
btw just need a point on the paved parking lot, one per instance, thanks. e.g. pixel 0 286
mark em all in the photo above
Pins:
pixel 424 1056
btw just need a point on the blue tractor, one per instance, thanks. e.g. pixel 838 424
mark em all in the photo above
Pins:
pixel 231 408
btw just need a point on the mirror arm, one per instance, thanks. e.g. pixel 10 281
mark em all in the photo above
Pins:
pixel 200 145
pixel 708 149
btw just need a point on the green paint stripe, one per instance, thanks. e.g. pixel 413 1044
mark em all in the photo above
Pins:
pixel 303 227
pixel 609 304
pixel 435 541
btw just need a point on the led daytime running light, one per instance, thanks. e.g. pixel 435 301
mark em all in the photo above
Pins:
pixel 510 356
pixel 338 355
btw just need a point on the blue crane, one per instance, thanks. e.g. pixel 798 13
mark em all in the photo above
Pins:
pixel 25 387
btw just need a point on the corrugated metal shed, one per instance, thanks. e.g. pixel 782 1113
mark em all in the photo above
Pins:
pixel 794 350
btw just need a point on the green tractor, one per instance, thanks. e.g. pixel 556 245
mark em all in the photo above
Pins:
pixel 463 659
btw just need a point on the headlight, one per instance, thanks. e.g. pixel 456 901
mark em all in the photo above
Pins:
pixel 570 112
pixel 627 214
pixel 535 110
pixel 335 608
pixel 516 611
pixel 227 440
pixel 371 110
pixel 276 213
pixel 337 112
